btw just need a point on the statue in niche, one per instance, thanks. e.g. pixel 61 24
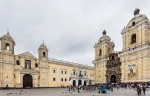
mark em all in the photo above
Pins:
pixel 131 70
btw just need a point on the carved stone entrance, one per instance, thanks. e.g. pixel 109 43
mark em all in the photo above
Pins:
pixel 113 72
pixel 27 81
pixel 113 79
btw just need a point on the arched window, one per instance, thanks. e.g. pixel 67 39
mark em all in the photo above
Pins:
pixel 133 23
pixel 18 62
pixel 133 38
pixel 100 52
pixel 80 73
pixel 44 54
pixel 7 46
pixel 36 64
pixel 74 73
pixel 113 58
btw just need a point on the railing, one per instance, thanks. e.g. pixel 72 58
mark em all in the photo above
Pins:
pixel 68 63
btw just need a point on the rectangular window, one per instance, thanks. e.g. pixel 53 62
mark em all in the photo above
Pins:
pixel 61 79
pixel 65 79
pixel 62 72
pixel 54 79
pixel 65 72
pixel 27 64
pixel 54 71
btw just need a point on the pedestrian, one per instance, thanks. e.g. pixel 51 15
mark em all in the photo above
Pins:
pixel 144 89
pixel 117 87
pixel 78 89
pixel 99 89
pixel 111 88
pixel 89 90
pixel 138 91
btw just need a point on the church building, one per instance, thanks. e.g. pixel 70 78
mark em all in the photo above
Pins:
pixel 132 64
pixel 27 71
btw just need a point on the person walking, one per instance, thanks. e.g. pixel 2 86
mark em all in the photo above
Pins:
pixel 117 87
pixel 138 91
pixel 144 89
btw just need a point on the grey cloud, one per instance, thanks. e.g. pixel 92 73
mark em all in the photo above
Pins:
pixel 69 28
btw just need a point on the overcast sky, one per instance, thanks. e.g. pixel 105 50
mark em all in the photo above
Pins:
pixel 69 28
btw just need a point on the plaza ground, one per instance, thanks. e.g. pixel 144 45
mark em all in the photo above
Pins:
pixel 65 92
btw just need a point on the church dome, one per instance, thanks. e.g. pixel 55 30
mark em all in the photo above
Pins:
pixel 104 37
pixel 137 19
pixel 43 46
pixel 7 36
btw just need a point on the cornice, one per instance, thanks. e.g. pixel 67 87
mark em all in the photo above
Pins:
pixel 132 51
pixel 136 58
pixel 66 63
pixel 100 60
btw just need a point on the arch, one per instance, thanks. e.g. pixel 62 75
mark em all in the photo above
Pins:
pixel 7 46
pixel 84 83
pixel 74 82
pixel 27 81
pixel 44 54
pixel 133 38
pixel 133 23
pixel 36 64
pixel 18 62
pixel 113 58
pixel 113 79
pixel 79 82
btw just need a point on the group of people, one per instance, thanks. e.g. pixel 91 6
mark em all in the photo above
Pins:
pixel 103 88
pixel 141 88
pixel 72 88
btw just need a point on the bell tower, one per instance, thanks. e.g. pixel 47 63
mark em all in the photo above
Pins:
pixel 136 32
pixel 43 52
pixel 135 54
pixel 7 44
pixel 103 48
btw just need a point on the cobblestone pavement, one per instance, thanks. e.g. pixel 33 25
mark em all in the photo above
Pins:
pixel 64 92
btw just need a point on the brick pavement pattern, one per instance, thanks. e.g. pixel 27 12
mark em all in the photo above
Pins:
pixel 65 92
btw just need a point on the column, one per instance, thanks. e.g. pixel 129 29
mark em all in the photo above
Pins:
pixel 82 81
pixel 76 82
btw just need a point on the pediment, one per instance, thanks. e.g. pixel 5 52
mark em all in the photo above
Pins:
pixel 27 55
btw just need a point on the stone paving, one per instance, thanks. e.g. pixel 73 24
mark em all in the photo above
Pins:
pixel 64 92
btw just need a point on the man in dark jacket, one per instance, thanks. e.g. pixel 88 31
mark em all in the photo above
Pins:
pixel 144 89
pixel 138 91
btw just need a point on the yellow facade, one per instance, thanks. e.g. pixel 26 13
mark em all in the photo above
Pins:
pixel 25 70
pixel 134 56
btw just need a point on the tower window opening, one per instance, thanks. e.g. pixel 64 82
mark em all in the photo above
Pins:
pixel 100 52
pixel 18 62
pixel 113 58
pixel 36 64
pixel 44 54
pixel 133 38
pixel 7 46
pixel 133 23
